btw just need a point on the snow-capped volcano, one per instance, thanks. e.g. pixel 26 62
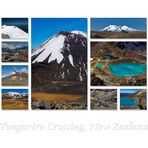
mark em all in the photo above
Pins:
pixel 16 74
pixel 115 28
pixel 15 95
pixel 79 33
pixel 13 32
pixel 65 54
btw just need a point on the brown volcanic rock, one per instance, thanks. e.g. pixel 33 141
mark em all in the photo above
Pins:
pixel 58 105
pixel 140 97
pixel 119 49
pixel 16 79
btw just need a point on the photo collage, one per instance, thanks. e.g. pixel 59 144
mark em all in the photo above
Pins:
pixel 73 64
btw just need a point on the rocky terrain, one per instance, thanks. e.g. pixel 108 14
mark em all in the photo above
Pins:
pixel 104 99
pixel 118 49
pixel 14 52
pixel 15 56
pixel 58 105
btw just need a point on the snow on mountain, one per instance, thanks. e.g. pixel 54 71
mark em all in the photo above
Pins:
pixel 52 49
pixel 7 46
pixel 128 29
pixel 22 73
pixel 71 60
pixel 79 32
pixel 66 55
pixel 14 32
pixel 115 28
pixel 13 93
pixel 112 28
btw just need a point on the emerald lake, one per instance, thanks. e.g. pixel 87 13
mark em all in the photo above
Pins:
pixel 127 69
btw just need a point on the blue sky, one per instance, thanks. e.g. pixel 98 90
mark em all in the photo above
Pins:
pixel 15 90
pixel 100 23
pixel 128 91
pixel 43 28
pixel 7 69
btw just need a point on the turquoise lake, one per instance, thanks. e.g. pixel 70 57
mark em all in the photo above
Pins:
pixel 128 102
pixel 107 57
pixel 127 69
pixel 99 64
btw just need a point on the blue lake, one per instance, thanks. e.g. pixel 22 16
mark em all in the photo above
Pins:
pixel 128 102
pixel 99 64
pixel 127 69
pixel 106 57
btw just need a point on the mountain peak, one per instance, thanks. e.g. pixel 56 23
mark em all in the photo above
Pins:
pixel 115 28
pixel 79 33
pixel 76 32
pixel 63 33
pixel 13 32
pixel 53 47
pixel 65 50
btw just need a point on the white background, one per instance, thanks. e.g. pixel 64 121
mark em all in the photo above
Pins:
pixel 59 134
